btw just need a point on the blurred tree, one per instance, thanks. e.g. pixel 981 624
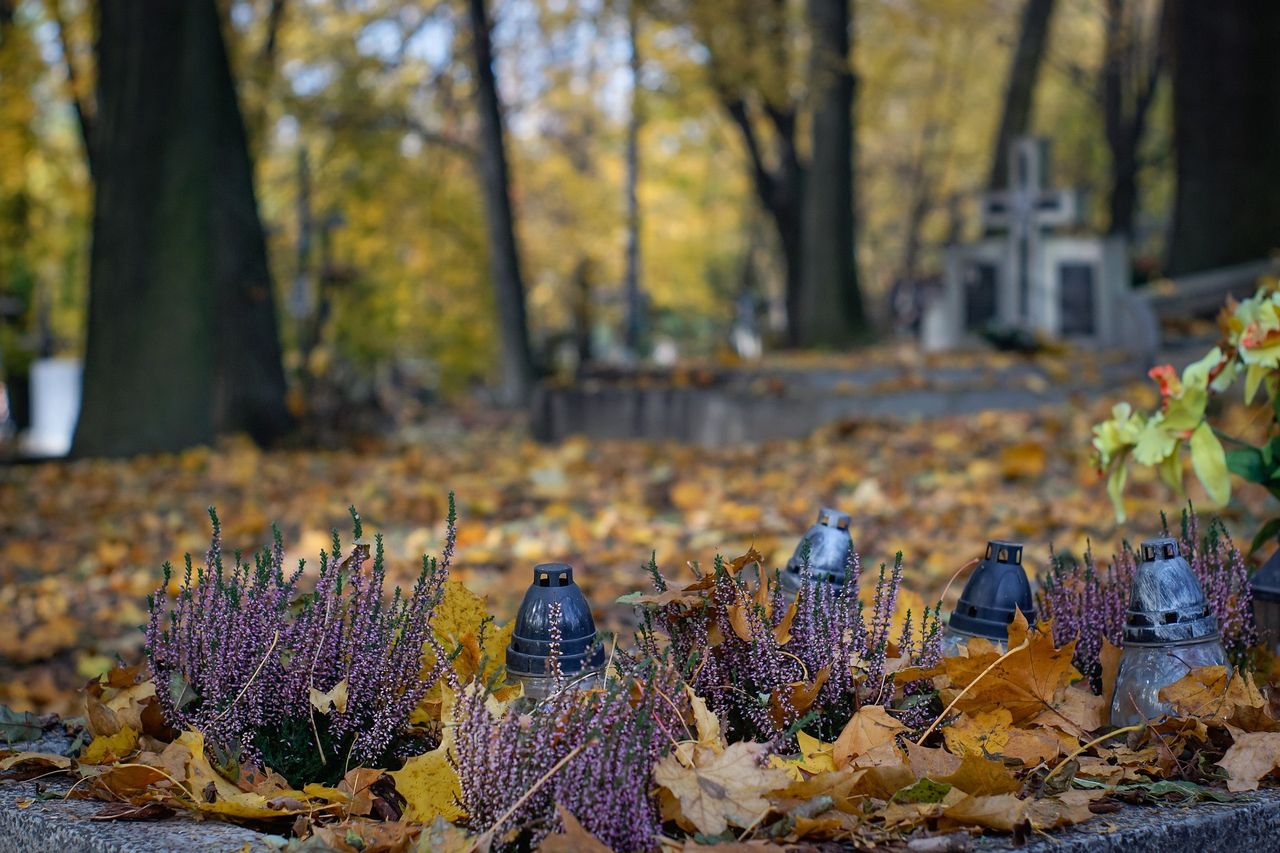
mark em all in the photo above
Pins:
pixel 182 339
pixel 753 47
pixel 517 375
pixel 830 304
pixel 1024 71
pixel 1226 112
pixel 1133 61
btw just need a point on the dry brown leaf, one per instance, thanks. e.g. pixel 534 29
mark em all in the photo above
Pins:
pixel 706 722
pixel 721 789
pixel 799 698
pixel 573 839
pixel 870 727
pixel 1253 756
pixel 980 776
pixel 1213 694
pixel 333 699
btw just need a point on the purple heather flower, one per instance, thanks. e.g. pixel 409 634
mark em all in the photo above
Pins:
pixel 237 653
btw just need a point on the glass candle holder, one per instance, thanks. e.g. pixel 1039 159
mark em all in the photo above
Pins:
pixel 1265 586
pixel 1169 631
pixel 996 590
pixel 580 656
pixel 826 548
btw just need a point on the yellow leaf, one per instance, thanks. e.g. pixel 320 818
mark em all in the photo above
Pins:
pixel 1210 463
pixel 107 748
pixel 430 785
pixel 982 733
pixel 707 723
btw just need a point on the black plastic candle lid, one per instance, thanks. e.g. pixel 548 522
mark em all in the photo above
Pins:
pixel 997 589
pixel 829 544
pixel 1166 603
pixel 1265 582
pixel 530 645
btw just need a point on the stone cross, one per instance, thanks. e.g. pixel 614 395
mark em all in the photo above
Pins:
pixel 1024 211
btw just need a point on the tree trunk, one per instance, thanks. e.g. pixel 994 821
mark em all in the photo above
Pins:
pixel 1226 90
pixel 831 313
pixel 1015 120
pixel 182 341
pixel 1131 70
pixel 635 305
pixel 504 254
pixel 780 190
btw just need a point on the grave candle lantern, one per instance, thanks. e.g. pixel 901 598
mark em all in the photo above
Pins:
pixel 997 589
pixel 827 546
pixel 580 656
pixel 1265 586
pixel 1169 631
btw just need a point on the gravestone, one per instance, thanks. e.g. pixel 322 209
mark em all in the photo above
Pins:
pixel 55 406
pixel 1024 275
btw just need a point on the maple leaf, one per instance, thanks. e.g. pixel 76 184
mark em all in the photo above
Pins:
pixel 705 721
pixel 107 748
pixel 815 757
pixel 1212 693
pixel 980 776
pixel 1030 682
pixel 982 733
pixel 799 697
pixel 429 784
pixel 573 839
pixel 335 699
pixel 870 727
pixel 721 789
pixel 1252 756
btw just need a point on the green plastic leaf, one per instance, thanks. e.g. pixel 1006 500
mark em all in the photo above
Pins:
pixel 1210 463
pixel 1249 464
pixel 1115 488
pixel 1252 379
pixel 18 726
pixel 1266 534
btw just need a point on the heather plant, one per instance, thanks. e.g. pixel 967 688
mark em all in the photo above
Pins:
pixel 766 667
pixel 1087 603
pixel 591 752
pixel 307 683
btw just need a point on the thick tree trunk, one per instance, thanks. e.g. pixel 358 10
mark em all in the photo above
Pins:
pixel 504 254
pixel 1226 94
pixel 1015 119
pixel 182 341
pixel 830 303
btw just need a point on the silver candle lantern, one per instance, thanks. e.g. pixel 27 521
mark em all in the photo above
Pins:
pixel 1169 631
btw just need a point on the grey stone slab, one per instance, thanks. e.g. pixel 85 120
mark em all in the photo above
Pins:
pixel 1250 823
pixel 60 826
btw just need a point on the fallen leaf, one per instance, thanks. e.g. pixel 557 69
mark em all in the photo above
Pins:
pixel 430 785
pixel 107 748
pixel 1251 757
pixel 871 726
pixel 573 838
pixel 721 789
pixel 334 699
pixel 1212 693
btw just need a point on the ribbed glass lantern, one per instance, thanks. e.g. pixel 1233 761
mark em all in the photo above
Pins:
pixel 828 546
pixel 996 590
pixel 581 656
pixel 1265 586
pixel 1169 631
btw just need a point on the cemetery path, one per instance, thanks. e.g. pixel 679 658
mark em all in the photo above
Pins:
pixel 81 543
